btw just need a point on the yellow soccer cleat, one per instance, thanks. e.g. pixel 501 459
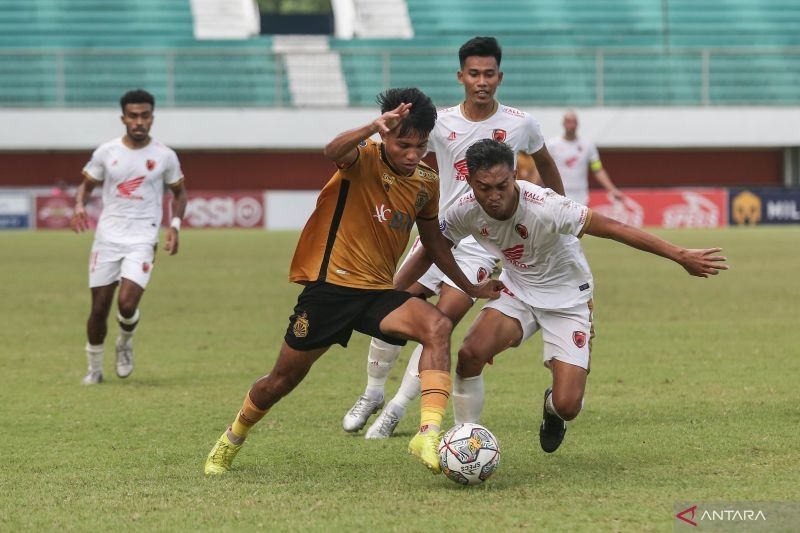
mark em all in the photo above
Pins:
pixel 221 456
pixel 425 447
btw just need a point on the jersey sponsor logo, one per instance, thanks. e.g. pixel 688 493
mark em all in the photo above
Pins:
pixel 427 176
pixel 570 161
pixel 468 199
pixel 300 326
pixel 150 164
pixel 534 198
pixel 452 136
pixel 514 112
pixel 462 172
pixel 482 274
pixel 579 338
pixel 499 135
pixel 114 163
pixel 388 179
pixel 522 230
pixel 397 220
pixel 514 254
pixel 128 187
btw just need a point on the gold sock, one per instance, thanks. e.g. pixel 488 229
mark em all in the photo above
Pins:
pixel 247 417
pixel 436 386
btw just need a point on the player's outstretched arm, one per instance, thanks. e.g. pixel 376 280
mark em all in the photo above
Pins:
pixel 342 149
pixel 604 179
pixel 179 200
pixel 438 247
pixel 548 171
pixel 80 220
pixel 697 262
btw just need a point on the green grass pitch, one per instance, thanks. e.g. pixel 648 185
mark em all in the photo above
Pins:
pixel 693 396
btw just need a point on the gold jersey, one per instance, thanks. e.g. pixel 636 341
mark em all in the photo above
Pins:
pixel 362 222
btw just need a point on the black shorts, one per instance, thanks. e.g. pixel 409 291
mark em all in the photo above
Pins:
pixel 327 314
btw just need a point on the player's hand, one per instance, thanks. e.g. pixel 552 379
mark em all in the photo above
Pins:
pixel 80 220
pixel 389 120
pixel 171 246
pixel 703 262
pixel 489 289
pixel 619 196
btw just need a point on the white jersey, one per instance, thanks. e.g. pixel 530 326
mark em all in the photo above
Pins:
pixel 573 159
pixel 543 264
pixel 133 189
pixel 454 133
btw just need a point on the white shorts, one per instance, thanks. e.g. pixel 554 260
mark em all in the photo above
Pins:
pixel 475 262
pixel 108 263
pixel 567 333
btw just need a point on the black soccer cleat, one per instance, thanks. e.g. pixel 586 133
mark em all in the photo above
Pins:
pixel 553 429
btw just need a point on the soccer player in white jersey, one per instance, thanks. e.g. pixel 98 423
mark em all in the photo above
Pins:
pixel 575 157
pixel 548 282
pixel 133 172
pixel 479 116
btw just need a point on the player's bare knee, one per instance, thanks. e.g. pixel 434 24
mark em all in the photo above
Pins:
pixel 567 405
pixel 470 363
pixel 126 309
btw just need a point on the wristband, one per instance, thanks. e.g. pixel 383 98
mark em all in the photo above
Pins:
pixel 176 223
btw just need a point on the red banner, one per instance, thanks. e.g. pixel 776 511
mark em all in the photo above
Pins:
pixel 665 208
pixel 55 212
pixel 212 209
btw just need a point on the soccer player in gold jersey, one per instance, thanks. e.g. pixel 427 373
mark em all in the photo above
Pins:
pixel 346 259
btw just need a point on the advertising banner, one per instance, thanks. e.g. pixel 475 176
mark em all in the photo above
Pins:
pixel 14 212
pixel 55 212
pixel 665 208
pixel 764 206
pixel 220 209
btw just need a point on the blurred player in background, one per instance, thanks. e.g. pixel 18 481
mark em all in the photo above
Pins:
pixel 479 116
pixel 548 283
pixel 133 172
pixel 346 259
pixel 575 157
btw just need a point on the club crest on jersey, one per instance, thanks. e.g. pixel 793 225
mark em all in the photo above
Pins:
pixel 300 326
pixel 388 180
pixel 482 274
pixel 499 135
pixel 363 144
pixel 150 164
pixel 522 230
pixel 579 338
pixel 145 267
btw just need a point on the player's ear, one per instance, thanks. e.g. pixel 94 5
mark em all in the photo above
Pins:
pixel 460 77
pixel 499 77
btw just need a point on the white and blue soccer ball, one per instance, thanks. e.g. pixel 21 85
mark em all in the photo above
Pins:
pixel 469 454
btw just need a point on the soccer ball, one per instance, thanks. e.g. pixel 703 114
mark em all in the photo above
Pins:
pixel 469 454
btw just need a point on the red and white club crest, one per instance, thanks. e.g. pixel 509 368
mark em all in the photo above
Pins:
pixel 522 230
pixel 482 274
pixel 150 164
pixel 499 135
pixel 579 338
pixel 145 267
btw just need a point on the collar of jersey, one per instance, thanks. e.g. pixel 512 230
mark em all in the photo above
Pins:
pixel 388 164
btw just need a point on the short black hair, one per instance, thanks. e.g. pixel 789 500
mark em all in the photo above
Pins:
pixel 487 153
pixel 422 115
pixel 137 96
pixel 480 47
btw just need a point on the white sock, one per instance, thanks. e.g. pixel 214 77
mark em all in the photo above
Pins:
pixel 94 357
pixel 380 361
pixel 410 387
pixel 468 394
pixel 548 405
pixel 124 335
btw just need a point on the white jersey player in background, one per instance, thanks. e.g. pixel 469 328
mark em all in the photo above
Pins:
pixel 575 157
pixel 548 282
pixel 479 116
pixel 133 172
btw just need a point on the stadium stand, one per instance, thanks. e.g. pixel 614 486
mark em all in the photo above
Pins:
pixel 58 53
